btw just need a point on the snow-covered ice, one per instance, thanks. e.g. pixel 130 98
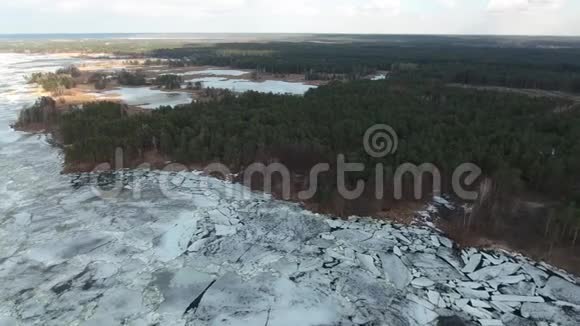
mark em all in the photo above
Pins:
pixel 222 255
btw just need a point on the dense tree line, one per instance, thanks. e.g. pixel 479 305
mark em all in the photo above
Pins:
pixel 168 81
pixel 55 83
pixel 43 111
pixel 67 77
pixel 510 66
pixel 561 78
pixel 436 124
pixel 99 79
pixel 131 78
pixel 71 70
pixel 522 144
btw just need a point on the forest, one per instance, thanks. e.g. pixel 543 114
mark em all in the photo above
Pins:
pixel 68 77
pixel 524 145
pixel 168 81
pixel 446 126
pixel 546 68
pixel 55 83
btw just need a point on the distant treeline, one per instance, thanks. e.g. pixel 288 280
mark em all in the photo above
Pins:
pixel 520 67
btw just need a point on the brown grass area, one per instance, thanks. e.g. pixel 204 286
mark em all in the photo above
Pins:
pixel 401 212
pixel 153 158
pixel 76 98
pixel 108 64
pixel 34 128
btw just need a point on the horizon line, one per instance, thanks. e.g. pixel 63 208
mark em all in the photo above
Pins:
pixel 289 33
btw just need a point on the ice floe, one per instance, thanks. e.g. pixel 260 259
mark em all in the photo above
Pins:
pixel 223 255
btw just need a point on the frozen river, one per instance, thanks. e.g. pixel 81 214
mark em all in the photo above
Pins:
pixel 189 250
pixel 148 98
pixel 244 85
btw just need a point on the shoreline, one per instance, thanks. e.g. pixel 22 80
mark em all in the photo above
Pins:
pixel 158 161
pixel 403 212
pixel 85 91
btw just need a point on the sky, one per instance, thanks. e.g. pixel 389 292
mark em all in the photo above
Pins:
pixel 512 17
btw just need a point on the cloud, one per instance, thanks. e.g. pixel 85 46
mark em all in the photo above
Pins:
pixel 307 16
pixel 169 8
pixel 447 3
pixel 524 5
pixel 196 8
pixel 286 8
pixel 370 7
pixel 175 8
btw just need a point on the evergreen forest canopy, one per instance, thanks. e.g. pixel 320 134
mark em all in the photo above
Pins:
pixel 549 67
pixel 529 141
pixel 66 78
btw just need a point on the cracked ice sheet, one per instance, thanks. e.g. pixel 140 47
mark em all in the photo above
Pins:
pixel 129 260
pixel 175 241
pixel 233 300
pixel 132 260
pixel 67 257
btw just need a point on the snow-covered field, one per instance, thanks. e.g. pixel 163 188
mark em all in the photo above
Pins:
pixel 218 254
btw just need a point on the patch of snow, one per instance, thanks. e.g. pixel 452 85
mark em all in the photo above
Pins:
pixel 422 282
pixel 492 272
pixel 368 263
pixel 472 263
pixel 395 271
pixel 560 289
pixel 515 298
pixel 225 230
